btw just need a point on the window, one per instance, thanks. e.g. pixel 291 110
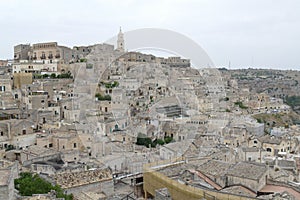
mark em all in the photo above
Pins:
pixel 74 145
pixel 43 55
pixel 1 133
pixel 269 150
pixel 255 141
pixel 50 145
pixel 24 132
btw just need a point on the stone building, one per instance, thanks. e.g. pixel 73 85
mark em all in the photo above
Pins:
pixel 36 100
pixel 274 145
pixel 3 63
pixel 215 171
pixel 49 52
pixel 21 52
pixel 36 153
pixel 221 174
pixel 40 57
pixel 35 67
pixel 174 61
pixel 137 57
pixel 8 172
pixel 94 179
pixel 251 175
pixel 120 42
pixel 252 154
pixel 21 79
pixel 5 83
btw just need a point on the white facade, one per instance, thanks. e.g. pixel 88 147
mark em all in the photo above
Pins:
pixel 35 67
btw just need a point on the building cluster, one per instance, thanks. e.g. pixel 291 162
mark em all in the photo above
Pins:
pixel 273 83
pixel 105 123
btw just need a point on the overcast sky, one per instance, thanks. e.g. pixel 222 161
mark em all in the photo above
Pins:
pixel 258 33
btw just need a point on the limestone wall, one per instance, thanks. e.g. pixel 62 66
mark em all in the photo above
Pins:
pixel 106 186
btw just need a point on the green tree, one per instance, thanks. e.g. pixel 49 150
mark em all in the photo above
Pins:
pixel 53 75
pixel 29 184
pixel 168 139
pixel 160 142
pixel 65 75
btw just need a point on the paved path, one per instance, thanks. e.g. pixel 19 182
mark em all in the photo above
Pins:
pixel 275 188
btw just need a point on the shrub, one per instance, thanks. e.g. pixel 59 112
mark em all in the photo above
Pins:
pixel 160 142
pixel 145 141
pixel 29 184
pixel 111 85
pixel 240 104
pixel 259 120
pixel 103 98
pixel 65 75
pixel 53 75
pixel 168 139
pixel 10 147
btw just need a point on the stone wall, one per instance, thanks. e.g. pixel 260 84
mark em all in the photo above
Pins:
pixel 40 168
pixel 254 185
pixel 4 192
pixel 32 159
pixel 106 187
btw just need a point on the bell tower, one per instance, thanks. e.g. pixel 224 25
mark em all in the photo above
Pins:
pixel 120 42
